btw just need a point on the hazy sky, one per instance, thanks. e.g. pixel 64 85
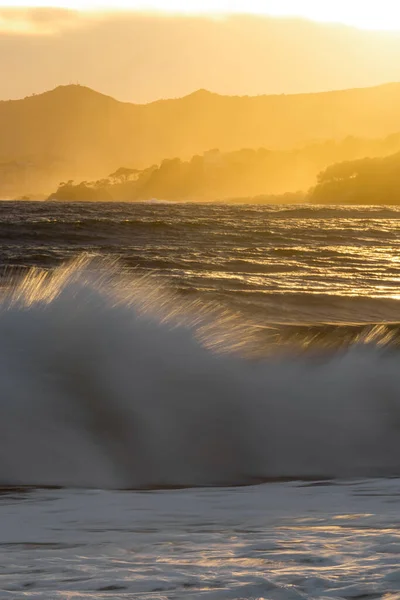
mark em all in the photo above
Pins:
pixel 375 14
pixel 142 56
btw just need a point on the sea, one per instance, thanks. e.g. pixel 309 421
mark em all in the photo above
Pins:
pixel 199 401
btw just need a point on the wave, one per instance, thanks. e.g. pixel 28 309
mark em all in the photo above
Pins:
pixel 109 382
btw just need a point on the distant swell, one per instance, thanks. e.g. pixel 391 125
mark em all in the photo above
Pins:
pixel 107 382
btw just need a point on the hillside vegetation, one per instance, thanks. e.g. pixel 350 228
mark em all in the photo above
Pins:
pixel 365 181
pixel 75 133
pixel 220 176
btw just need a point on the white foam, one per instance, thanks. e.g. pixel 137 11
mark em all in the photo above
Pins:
pixel 102 385
pixel 276 541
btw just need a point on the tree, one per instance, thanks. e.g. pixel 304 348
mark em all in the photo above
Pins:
pixel 123 174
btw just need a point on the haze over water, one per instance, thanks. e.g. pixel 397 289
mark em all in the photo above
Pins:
pixel 106 384
pixel 199 300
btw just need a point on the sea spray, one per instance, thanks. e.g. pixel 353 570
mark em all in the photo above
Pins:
pixel 108 381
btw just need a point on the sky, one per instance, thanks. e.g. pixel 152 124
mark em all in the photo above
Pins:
pixel 369 14
pixel 165 50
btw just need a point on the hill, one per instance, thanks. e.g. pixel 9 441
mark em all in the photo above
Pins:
pixel 75 132
pixel 364 181
pixel 272 176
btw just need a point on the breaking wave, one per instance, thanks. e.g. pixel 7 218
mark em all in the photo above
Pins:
pixel 107 381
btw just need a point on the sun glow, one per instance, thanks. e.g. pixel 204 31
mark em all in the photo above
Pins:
pixel 382 15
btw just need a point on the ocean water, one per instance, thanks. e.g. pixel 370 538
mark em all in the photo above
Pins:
pixel 199 401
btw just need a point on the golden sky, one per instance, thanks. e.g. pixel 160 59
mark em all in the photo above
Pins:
pixel 141 56
pixel 369 14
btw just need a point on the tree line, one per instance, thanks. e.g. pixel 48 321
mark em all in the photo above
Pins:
pixel 246 173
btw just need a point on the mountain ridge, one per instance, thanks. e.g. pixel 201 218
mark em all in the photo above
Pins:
pixel 75 132
pixel 200 92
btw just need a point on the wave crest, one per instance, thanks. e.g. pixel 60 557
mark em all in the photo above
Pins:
pixel 109 382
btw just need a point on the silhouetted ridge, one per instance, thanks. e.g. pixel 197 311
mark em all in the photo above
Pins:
pixel 73 132
pixel 65 93
pixel 203 93
pixel 79 91
pixel 82 91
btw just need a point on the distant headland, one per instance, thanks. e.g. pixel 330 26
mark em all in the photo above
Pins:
pixel 200 147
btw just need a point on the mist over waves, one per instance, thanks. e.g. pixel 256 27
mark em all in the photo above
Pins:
pixel 108 381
